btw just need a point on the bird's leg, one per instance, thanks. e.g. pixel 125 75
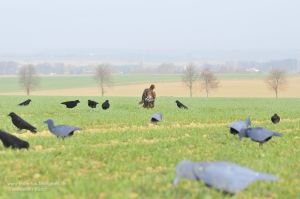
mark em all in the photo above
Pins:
pixel 260 145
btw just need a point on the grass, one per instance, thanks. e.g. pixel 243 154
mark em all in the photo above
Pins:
pixel 10 84
pixel 118 154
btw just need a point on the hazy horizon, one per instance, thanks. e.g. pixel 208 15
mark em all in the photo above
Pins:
pixel 254 29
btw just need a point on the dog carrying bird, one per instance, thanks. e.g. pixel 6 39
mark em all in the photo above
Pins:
pixel 20 123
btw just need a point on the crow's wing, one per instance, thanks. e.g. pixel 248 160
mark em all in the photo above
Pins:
pixel 64 130
pixel 20 123
pixel 227 177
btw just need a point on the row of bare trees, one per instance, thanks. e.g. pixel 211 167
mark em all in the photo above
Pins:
pixel 276 80
pixel 207 79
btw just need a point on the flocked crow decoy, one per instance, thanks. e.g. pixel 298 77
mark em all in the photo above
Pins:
pixel 92 103
pixel 156 117
pixel 180 105
pixel 224 176
pixel 275 118
pixel 236 126
pixel 105 105
pixel 71 104
pixel 12 141
pixel 258 134
pixel 25 103
pixel 20 123
pixel 61 130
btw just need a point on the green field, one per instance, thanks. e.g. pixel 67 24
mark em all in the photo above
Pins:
pixel 10 84
pixel 118 154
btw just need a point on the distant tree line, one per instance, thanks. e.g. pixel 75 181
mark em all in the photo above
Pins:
pixel 291 65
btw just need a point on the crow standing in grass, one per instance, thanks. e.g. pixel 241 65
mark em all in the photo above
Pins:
pixel 71 104
pixel 180 105
pixel 92 103
pixel 105 105
pixel 275 118
pixel 224 176
pixel 12 141
pixel 25 103
pixel 258 134
pixel 20 123
pixel 61 130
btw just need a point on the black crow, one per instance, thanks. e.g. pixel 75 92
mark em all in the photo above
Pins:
pixel 61 130
pixel 25 103
pixel 12 141
pixel 224 176
pixel 20 123
pixel 180 105
pixel 105 105
pixel 258 134
pixel 275 119
pixel 71 104
pixel 92 103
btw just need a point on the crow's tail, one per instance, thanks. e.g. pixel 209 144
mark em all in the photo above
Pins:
pixel 277 134
pixel 268 177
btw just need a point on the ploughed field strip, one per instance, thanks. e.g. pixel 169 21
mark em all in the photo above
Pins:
pixel 119 153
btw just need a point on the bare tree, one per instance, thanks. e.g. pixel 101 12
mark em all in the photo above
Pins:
pixel 189 76
pixel 103 76
pixel 208 80
pixel 276 80
pixel 28 78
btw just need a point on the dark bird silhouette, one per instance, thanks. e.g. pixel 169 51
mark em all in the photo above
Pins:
pixel 275 119
pixel 25 103
pixel 12 141
pixel 258 134
pixel 20 123
pixel 92 103
pixel 180 105
pixel 105 105
pixel 224 176
pixel 236 126
pixel 61 130
pixel 71 104
pixel 156 117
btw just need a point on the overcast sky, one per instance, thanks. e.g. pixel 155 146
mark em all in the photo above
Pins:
pixel 30 26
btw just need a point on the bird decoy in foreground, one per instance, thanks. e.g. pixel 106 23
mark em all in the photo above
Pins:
pixel 275 118
pixel 20 123
pixel 105 105
pixel 258 134
pixel 224 176
pixel 156 117
pixel 92 104
pixel 180 105
pixel 12 141
pixel 236 126
pixel 71 104
pixel 61 130
pixel 25 103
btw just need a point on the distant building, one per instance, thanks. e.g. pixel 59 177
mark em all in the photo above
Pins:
pixel 252 70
